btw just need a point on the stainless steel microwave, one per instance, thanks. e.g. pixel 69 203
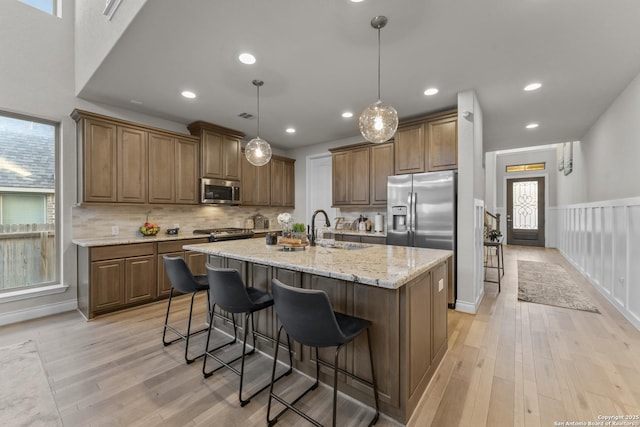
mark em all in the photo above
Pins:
pixel 219 191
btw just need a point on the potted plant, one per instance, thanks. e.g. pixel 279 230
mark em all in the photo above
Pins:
pixel 298 231
pixel 494 234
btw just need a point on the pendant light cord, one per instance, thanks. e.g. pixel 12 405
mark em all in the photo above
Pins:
pixel 379 64
pixel 258 103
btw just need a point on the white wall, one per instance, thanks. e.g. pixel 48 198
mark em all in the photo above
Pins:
pixel 599 216
pixel 470 203
pixel 95 35
pixel 611 149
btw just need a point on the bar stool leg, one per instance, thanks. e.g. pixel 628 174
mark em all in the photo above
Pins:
pixel 335 383
pixel 166 321
pixel 373 380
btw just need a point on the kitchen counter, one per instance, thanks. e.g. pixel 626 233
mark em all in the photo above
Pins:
pixel 126 240
pixel 402 291
pixel 378 265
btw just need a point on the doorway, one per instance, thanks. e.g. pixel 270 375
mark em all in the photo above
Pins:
pixel 525 211
pixel 318 186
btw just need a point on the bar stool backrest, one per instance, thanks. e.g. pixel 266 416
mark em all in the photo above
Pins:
pixel 227 290
pixel 307 315
pixel 179 275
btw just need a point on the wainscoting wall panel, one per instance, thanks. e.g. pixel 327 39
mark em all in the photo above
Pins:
pixel 602 240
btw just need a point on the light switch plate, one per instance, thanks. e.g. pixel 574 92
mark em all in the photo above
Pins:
pixel 440 285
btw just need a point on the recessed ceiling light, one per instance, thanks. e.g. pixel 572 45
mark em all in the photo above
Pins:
pixel 532 125
pixel 532 86
pixel 347 114
pixel 291 130
pixel 188 94
pixel 135 101
pixel 247 58
pixel 356 1
pixel 431 91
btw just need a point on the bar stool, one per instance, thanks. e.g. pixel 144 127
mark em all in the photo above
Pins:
pixel 228 291
pixel 183 281
pixel 308 317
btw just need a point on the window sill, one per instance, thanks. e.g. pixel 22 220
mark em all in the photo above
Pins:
pixel 32 293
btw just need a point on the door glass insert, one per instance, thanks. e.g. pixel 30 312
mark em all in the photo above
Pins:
pixel 525 205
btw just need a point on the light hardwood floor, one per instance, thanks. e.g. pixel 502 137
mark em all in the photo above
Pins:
pixel 512 364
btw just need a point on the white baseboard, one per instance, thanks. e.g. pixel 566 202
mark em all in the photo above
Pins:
pixel 36 312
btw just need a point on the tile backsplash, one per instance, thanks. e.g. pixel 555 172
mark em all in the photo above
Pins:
pixel 99 220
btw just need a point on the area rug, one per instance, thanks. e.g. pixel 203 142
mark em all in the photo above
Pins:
pixel 550 284
pixel 25 395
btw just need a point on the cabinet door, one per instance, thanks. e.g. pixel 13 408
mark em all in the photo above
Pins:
pixel 196 262
pixel 277 182
pixel 340 182
pixel 256 184
pixel 212 158
pixel 164 285
pixel 140 278
pixel 419 329
pixel 289 180
pixel 359 176
pixel 230 158
pixel 107 285
pixel 260 278
pixel 381 167
pixel 161 169
pixel 100 161
pixel 186 171
pixel 133 158
pixel 373 239
pixel 442 140
pixel 350 238
pixel 409 150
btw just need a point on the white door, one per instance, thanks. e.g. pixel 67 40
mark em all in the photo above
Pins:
pixel 319 188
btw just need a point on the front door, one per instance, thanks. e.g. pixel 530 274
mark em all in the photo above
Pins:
pixel 525 211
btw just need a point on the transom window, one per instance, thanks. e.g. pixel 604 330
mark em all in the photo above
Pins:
pixel 526 167
pixel 28 217
pixel 48 6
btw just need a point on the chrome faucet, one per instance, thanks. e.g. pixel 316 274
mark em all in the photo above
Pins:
pixel 313 224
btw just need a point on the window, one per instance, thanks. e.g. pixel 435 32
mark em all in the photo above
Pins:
pixel 28 216
pixel 527 167
pixel 48 6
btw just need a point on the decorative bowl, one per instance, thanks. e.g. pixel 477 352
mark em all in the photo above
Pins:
pixel 149 230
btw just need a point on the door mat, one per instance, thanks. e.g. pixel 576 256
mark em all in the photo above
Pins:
pixel 550 284
pixel 25 395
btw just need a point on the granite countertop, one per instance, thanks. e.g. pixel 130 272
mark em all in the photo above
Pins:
pixel 377 265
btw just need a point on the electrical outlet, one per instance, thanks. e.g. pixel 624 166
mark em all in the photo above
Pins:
pixel 115 230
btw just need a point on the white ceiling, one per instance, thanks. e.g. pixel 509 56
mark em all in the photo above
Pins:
pixel 319 58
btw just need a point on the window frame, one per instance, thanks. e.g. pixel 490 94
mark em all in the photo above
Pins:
pixel 55 285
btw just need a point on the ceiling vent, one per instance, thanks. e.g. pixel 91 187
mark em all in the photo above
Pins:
pixel 247 116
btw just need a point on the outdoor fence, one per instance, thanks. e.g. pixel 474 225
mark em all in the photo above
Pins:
pixel 27 254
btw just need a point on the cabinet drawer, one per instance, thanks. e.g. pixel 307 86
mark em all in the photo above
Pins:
pixel 121 251
pixel 176 245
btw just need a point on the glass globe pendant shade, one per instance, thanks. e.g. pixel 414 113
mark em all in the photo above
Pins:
pixel 378 122
pixel 258 151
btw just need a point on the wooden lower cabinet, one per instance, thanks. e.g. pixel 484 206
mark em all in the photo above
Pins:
pixel 377 240
pixel 111 278
pixel 408 333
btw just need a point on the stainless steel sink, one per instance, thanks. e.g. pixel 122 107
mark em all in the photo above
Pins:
pixel 343 245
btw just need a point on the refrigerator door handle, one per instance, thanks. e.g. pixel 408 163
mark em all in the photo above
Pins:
pixel 414 210
pixel 410 213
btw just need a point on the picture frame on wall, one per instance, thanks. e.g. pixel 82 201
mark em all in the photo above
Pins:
pixel 568 157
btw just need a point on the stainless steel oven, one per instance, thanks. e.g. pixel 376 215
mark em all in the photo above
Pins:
pixel 219 191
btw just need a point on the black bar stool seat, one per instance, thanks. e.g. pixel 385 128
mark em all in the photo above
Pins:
pixel 183 281
pixel 307 316
pixel 228 291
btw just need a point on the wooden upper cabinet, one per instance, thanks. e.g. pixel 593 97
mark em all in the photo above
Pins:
pixel 282 181
pixel 359 176
pixel 350 176
pixel 442 137
pixel 256 184
pixel 382 166
pixel 219 150
pixel 132 149
pixel 162 177
pixel 99 164
pixel 409 149
pixel 340 178
pixel 186 171
pixel 427 144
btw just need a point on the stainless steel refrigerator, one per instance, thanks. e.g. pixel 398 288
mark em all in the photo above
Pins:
pixel 421 212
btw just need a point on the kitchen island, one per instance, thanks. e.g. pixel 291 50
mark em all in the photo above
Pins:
pixel 401 290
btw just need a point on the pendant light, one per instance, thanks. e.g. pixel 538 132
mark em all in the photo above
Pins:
pixel 379 121
pixel 258 151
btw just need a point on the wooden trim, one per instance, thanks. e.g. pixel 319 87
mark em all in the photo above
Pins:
pixel 435 116
pixel 82 114
pixel 199 125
